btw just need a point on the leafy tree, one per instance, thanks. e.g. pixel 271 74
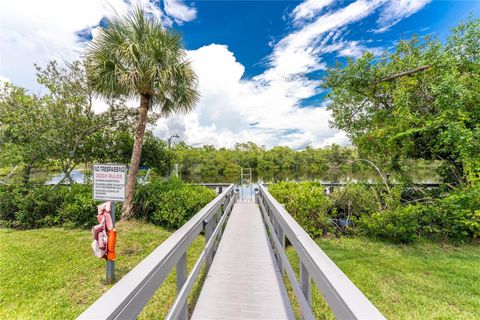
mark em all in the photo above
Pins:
pixel 58 127
pixel 69 118
pixel 420 101
pixel 23 130
pixel 135 56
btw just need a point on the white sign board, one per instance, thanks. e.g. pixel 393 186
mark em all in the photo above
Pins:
pixel 109 182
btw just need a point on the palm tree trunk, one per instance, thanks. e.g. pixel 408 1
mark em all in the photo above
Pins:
pixel 127 209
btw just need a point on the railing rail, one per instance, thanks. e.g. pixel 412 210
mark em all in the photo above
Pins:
pixel 126 299
pixel 343 297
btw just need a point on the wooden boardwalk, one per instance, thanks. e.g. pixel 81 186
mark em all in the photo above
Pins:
pixel 244 281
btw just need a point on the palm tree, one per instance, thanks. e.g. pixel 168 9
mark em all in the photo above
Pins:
pixel 135 56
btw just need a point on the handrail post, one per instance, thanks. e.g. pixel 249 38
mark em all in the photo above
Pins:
pixel 208 235
pixel 181 278
pixel 305 283
pixel 216 219
pixel 281 237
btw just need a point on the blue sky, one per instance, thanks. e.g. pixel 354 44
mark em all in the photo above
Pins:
pixel 250 56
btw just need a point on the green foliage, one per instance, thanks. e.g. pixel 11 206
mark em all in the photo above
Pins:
pixel 355 200
pixel 167 203
pixel 373 211
pixel 307 204
pixel 454 218
pixel 399 225
pixel 171 203
pixel 116 146
pixel 36 206
pixel 58 127
pixel 9 195
pixel 135 55
pixel 78 208
pixel 23 129
pixel 33 207
pixel 208 164
pixel 419 101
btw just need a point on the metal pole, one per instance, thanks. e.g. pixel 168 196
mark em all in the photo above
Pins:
pixel 111 263
pixel 169 148
pixel 168 165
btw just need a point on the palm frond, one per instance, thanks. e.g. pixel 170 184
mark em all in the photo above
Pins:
pixel 135 55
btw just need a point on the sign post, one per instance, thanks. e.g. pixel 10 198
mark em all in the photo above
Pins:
pixel 109 185
pixel 110 273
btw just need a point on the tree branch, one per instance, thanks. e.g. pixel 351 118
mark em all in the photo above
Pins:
pixel 402 74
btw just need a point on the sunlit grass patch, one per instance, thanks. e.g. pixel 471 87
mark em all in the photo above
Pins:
pixel 421 281
pixel 52 274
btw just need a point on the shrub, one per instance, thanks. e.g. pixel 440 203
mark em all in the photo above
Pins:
pixel 398 225
pixel 307 203
pixel 455 217
pixel 171 203
pixel 33 207
pixel 36 206
pixel 9 196
pixel 78 209
pixel 355 200
pixel 351 202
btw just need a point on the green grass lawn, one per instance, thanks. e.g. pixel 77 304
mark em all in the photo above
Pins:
pixel 51 274
pixel 421 281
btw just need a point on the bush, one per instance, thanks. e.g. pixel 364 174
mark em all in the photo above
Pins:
pixel 307 203
pixel 455 217
pixel 78 209
pixel 171 203
pixel 33 207
pixel 36 206
pixel 8 204
pixel 355 200
pixel 398 225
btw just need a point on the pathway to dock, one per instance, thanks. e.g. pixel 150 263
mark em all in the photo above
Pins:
pixel 244 281
pixel 244 251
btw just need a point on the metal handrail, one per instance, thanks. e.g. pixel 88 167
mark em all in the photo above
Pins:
pixel 343 297
pixel 126 299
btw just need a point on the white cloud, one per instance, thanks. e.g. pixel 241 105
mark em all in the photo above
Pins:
pixel 264 109
pixel 179 11
pixel 353 49
pixel 299 52
pixel 396 10
pixel 339 138
pixel 4 79
pixel 309 8
pixel 229 106
pixel 39 31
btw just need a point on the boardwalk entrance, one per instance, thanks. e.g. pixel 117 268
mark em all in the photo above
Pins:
pixel 244 281
pixel 245 260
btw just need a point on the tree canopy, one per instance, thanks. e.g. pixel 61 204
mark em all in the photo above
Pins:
pixel 420 101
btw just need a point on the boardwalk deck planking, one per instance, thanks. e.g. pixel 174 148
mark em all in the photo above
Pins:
pixel 244 281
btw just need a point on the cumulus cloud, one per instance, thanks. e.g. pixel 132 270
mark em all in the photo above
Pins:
pixel 179 11
pixel 396 10
pixel 233 110
pixel 266 109
pixel 39 31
